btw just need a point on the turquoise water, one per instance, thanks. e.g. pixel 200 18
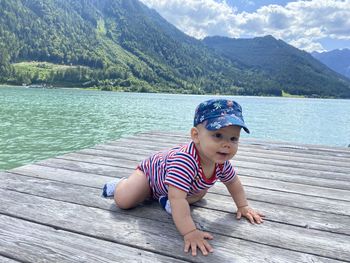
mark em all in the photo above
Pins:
pixel 39 123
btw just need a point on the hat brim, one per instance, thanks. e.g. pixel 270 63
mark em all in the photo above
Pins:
pixel 214 124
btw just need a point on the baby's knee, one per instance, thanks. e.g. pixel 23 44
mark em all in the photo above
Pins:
pixel 203 193
pixel 195 198
pixel 130 192
pixel 122 197
pixel 122 204
pixel 122 200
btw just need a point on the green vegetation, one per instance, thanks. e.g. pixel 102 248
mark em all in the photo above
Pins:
pixel 28 73
pixel 338 60
pixel 296 71
pixel 123 45
pixel 287 95
pixel 42 72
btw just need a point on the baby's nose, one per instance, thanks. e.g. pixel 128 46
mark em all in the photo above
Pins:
pixel 227 143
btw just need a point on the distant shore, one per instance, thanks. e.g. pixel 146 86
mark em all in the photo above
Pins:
pixel 284 94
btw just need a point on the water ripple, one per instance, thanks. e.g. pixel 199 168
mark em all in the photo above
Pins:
pixel 39 123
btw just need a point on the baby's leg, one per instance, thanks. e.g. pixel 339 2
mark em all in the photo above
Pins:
pixel 195 198
pixel 132 190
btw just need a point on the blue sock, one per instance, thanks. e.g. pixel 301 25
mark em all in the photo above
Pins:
pixel 108 189
pixel 165 203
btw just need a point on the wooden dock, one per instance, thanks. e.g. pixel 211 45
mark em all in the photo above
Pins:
pixel 52 211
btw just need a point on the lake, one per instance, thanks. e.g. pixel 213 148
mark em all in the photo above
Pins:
pixel 37 124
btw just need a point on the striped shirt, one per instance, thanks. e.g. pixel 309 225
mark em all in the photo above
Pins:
pixel 180 167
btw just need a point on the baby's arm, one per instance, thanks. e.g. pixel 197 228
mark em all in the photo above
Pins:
pixel 181 213
pixel 236 190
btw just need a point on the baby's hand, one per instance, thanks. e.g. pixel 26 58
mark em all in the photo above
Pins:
pixel 252 215
pixel 197 238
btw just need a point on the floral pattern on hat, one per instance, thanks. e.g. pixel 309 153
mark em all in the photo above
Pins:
pixel 219 113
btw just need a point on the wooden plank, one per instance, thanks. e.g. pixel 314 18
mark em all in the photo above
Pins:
pixel 303 194
pixel 258 145
pixel 114 151
pixel 142 233
pixel 303 157
pixel 291 160
pixel 250 153
pixel 62 175
pixel 299 168
pixel 113 162
pixel 312 148
pixel 258 194
pixel 337 194
pixel 277 213
pixel 292 156
pixel 130 159
pixel 132 230
pixel 293 170
pixel 343 152
pixel 295 178
pixel 296 188
pixel 263 154
pixel 295 164
pixel 30 242
pixel 293 200
pixel 306 190
pixel 259 142
pixel 7 260
pixel 344 184
pixel 289 151
pixel 281 214
pixel 107 170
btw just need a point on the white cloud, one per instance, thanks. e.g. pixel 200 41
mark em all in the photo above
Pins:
pixel 198 18
pixel 302 23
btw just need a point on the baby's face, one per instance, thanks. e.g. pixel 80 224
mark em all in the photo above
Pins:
pixel 218 146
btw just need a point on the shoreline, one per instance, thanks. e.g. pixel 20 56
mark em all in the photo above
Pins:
pixel 285 95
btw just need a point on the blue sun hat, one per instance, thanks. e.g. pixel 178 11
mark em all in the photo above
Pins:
pixel 219 113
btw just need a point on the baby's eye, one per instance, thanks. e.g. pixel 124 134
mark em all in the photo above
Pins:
pixel 217 135
pixel 234 139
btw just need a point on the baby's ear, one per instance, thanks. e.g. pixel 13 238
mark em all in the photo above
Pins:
pixel 194 134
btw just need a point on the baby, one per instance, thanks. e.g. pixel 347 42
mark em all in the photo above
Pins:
pixel 183 175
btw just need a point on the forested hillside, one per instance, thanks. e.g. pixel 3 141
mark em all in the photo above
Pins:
pixel 338 60
pixel 297 71
pixel 123 45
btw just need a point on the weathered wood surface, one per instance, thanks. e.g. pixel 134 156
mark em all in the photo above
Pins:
pixel 52 211
pixel 7 260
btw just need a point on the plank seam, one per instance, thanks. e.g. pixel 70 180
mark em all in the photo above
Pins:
pixel 9 256
pixel 254 187
pixel 276 165
pixel 97 237
pixel 289 249
pixel 162 221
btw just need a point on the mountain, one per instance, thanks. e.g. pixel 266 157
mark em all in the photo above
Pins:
pixel 297 71
pixel 338 60
pixel 118 43
pixel 123 45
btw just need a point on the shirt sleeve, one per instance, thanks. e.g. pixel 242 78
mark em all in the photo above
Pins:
pixel 180 171
pixel 228 172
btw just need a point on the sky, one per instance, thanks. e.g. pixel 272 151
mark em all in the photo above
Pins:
pixel 310 25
